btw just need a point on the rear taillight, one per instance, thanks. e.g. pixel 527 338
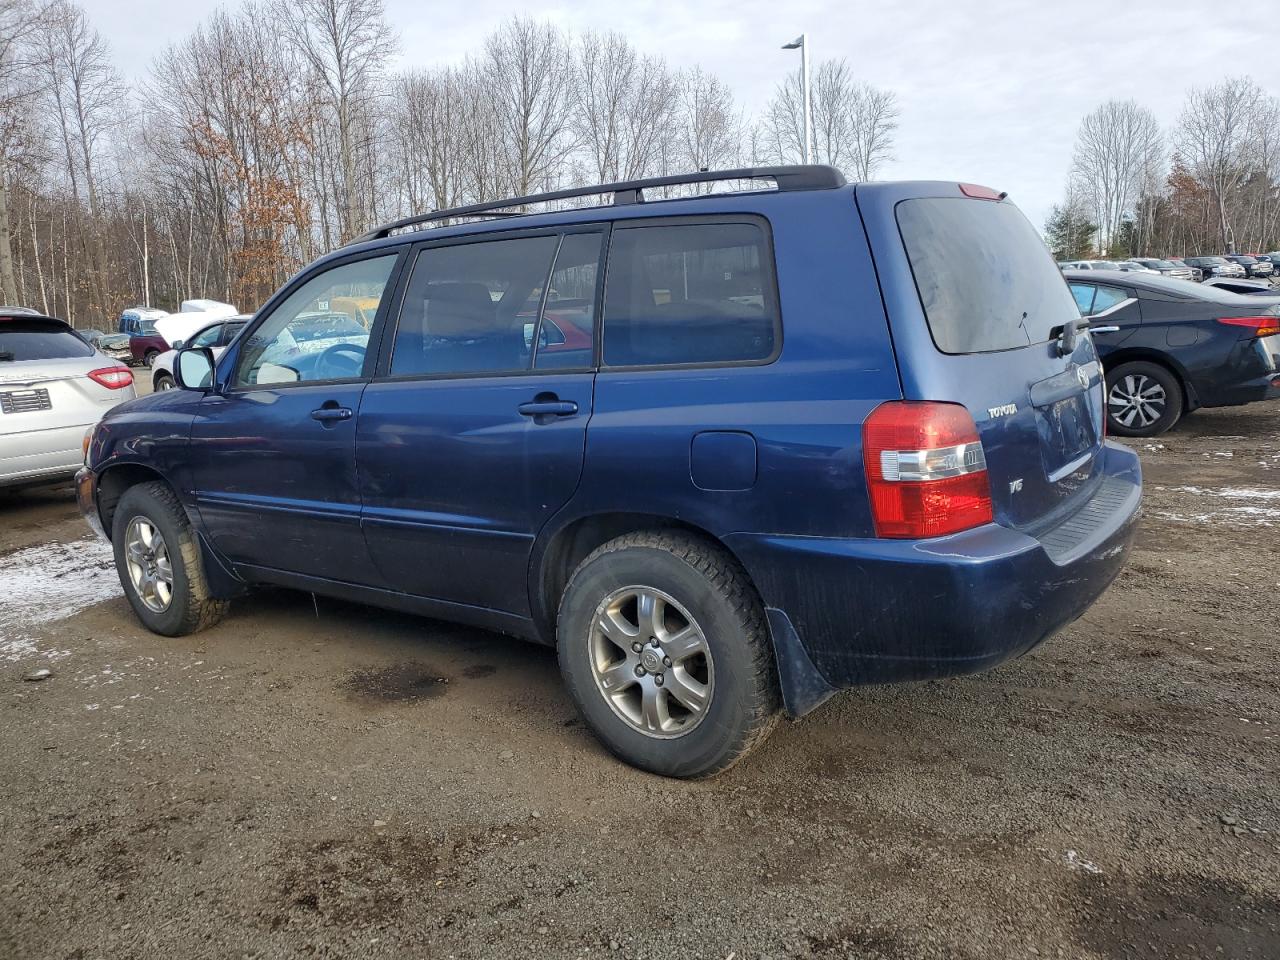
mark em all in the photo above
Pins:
pixel 1258 326
pixel 926 471
pixel 113 378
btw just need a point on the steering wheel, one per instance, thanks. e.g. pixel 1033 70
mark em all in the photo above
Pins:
pixel 333 365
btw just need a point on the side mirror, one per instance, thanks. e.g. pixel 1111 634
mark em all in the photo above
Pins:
pixel 177 344
pixel 193 368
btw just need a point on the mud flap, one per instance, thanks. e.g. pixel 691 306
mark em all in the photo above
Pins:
pixel 804 689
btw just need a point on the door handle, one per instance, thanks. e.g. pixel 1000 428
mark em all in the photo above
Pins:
pixel 548 408
pixel 331 414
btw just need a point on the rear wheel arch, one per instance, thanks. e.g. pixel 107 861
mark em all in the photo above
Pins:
pixel 573 542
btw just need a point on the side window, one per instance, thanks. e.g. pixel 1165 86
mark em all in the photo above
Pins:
pixel 305 339
pixel 566 333
pixel 1083 292
pixel 208 337
pixel 229 331
pixel 690 293
pixel 1107 297
pixel 471 307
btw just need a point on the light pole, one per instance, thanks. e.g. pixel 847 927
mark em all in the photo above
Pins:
pixel 801 43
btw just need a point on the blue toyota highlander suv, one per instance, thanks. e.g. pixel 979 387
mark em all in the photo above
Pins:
pixel 729 453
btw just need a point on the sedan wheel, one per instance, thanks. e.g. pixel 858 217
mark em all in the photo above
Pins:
pixel 1143 399
pixel 1137 401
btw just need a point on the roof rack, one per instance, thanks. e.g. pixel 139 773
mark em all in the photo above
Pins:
pixel 798 177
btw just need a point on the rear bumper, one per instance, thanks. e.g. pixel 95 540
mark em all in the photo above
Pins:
pixel 1259 378
pixel 42 456
pixel 875 611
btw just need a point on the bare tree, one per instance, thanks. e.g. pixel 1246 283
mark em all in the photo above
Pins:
pixel 710 125
pixel 19 86
pixel 853 122
pixel 1213 135
pixel 1118 146
pixel 528 69
pixel 625 108
pixel 86 94
pixel 346 43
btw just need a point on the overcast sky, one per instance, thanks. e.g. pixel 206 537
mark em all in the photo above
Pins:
pixel 991 91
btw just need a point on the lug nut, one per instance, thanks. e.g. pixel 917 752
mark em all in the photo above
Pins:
pixel 666 661
pixel 657 678
pixel 653 641
pixel 639 670
pixel 637 646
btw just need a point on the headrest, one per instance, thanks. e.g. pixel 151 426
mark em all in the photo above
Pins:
pixel 459 310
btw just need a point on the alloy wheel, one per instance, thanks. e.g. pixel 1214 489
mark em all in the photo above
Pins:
pixel 150 569
pixel 1136 400
pixel 651 662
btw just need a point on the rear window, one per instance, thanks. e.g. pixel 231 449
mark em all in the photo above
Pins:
pixel 985 279
pixel 22 338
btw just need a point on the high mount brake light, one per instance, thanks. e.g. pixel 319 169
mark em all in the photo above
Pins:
pixel 113 378
pixel 926 469
pixel 979 192
pixel 1259 326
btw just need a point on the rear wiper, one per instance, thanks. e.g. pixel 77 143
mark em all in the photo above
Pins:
pixel 1068 331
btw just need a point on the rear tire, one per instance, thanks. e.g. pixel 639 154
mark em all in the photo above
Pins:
pixel 708 692
pixel 150 359
pixel 159 563
pixel 1143 399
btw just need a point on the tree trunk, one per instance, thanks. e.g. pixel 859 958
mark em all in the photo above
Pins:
pixel 7 284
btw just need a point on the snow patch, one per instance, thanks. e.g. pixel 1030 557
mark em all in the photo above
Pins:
pixel 1250 506
pixel 50 582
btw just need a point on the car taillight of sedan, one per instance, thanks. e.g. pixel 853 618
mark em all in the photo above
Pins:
pixel 113 378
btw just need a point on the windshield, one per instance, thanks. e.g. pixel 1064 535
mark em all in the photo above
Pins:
pixel 1212 261
pixel 985 279
pixel 22 338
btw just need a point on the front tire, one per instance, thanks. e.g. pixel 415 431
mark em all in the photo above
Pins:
pixel 164 382
pixel 159 563
pixel 1143 399
pixel 663 646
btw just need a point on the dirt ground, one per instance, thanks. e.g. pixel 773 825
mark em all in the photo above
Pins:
pixel 317 779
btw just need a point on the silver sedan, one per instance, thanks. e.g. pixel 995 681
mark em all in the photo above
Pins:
pixel 54 386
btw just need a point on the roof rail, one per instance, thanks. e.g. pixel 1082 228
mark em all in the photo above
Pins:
pixel 798 177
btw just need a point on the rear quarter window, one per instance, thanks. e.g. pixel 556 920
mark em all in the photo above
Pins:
pixel 23 338
pixel 985 278
pixel 695 293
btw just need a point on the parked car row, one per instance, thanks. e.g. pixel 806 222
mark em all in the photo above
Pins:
pixel 1229 266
